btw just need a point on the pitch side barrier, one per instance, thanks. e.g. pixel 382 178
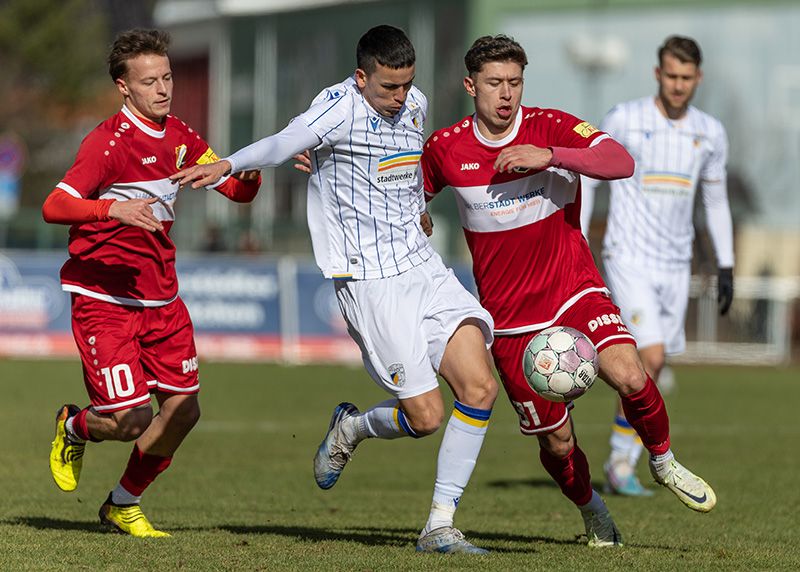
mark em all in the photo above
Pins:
pixel 248 308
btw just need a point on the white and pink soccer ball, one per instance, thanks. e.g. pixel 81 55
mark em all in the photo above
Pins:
pixel 560 363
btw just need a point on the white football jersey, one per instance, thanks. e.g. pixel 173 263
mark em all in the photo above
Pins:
pixel 365 190
pixel 650 214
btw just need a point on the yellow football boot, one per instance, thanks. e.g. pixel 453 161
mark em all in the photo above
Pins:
pixel 129 519
pixel 66 457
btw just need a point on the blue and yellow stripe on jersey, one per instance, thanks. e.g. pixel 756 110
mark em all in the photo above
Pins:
pixel 667 178
pixel 407 158
pixel 471 415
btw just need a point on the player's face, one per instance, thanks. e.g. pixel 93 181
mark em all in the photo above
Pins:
pixel 147 86
pixel 386 89
pixel 677 82
pixel 497 92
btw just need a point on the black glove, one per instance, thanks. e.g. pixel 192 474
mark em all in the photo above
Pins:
pixel 724 290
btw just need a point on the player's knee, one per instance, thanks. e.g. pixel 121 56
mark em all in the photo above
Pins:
pixel 481 394
pixel 183 411
pixel 132 423
pixel 630 379
pixel 557 445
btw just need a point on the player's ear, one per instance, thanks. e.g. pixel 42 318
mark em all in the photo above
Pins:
pixel 469 85
pixel 361 78
pixel 657 73
pixel 122 86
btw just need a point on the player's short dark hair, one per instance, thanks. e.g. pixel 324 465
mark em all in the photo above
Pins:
pixel 132 43
pixel 385 45
pixel 487 49
pixel 683 48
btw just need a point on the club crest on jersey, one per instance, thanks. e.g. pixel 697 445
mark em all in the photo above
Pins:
pixel 374 123
pixel 180 155
pixel 397 168
pixel 585 129
pixel 397 373
pixel 416 117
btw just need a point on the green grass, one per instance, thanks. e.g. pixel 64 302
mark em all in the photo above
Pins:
pixel 240 494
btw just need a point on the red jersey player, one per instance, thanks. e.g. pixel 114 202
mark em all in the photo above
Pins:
pixel 132 330
pixel 515 172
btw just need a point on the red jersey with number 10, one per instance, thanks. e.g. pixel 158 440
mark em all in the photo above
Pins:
pixel 126 158
pixel 530 260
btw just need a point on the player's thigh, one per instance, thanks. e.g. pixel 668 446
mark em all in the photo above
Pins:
pixel 384 318
pixel 107 338
pixel 633 288
pixel 448 306
pixel 536 414
pixel 674 297
pixel 168 351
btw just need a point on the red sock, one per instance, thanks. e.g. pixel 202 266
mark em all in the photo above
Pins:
pixel 142 470
pixel 80 428
pixel 571 473
pixel 646 412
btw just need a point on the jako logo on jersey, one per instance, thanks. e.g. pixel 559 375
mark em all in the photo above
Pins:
pixel 604 320
pixel 149 160
pixel 180 155
pixel 189 365
pixel 470 166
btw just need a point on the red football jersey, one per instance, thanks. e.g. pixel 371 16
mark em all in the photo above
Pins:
pixel 530 259
pixel 126 158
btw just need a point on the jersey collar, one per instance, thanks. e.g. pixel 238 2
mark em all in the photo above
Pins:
pixel 500 142
pixel 140 123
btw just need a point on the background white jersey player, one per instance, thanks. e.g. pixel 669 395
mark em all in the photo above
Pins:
pixel 647 248
pixel 407 312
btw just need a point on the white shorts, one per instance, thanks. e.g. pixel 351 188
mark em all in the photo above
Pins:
pixel 403 323
pixel 653 302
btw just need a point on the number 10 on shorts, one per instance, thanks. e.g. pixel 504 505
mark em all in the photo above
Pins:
pixel 119 380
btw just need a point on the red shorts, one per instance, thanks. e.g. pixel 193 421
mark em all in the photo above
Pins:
pixel 128 352
pixel 596 316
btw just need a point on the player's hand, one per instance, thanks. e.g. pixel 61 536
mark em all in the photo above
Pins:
pixel 202 175
pixel 248 175
pixel 303 162
pixel 724 290
pixel 522 157
pixel 426 222
pixel 136 212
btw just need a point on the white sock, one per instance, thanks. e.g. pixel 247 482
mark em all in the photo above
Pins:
pixel 636 452
pixel 661 462
pixel 71 432
pixel 120 495
pixel 623 440
pixel 383 421
pixel 458 453
pixel 595 504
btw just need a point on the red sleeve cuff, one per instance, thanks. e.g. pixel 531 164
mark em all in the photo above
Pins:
pixel 62 208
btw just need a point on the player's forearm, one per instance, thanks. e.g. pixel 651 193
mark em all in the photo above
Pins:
pixel 275 149
pixel 718 219
pixel 607 160
pixel 62 208
pixel 239 191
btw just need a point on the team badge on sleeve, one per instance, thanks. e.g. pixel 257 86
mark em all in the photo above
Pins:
pixel 585 129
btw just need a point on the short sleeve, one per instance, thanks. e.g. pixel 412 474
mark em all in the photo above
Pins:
pixel 570 131
pixel 94 165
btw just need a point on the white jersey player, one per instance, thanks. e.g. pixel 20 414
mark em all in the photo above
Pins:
pixel 407 312
pixel 647 248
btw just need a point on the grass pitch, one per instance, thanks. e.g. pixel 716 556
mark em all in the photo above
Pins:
pixel 240 494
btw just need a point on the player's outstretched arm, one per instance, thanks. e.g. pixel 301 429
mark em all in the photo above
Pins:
pixel 202 175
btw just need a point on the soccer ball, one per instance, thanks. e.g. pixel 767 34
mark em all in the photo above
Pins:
pixel 560 363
